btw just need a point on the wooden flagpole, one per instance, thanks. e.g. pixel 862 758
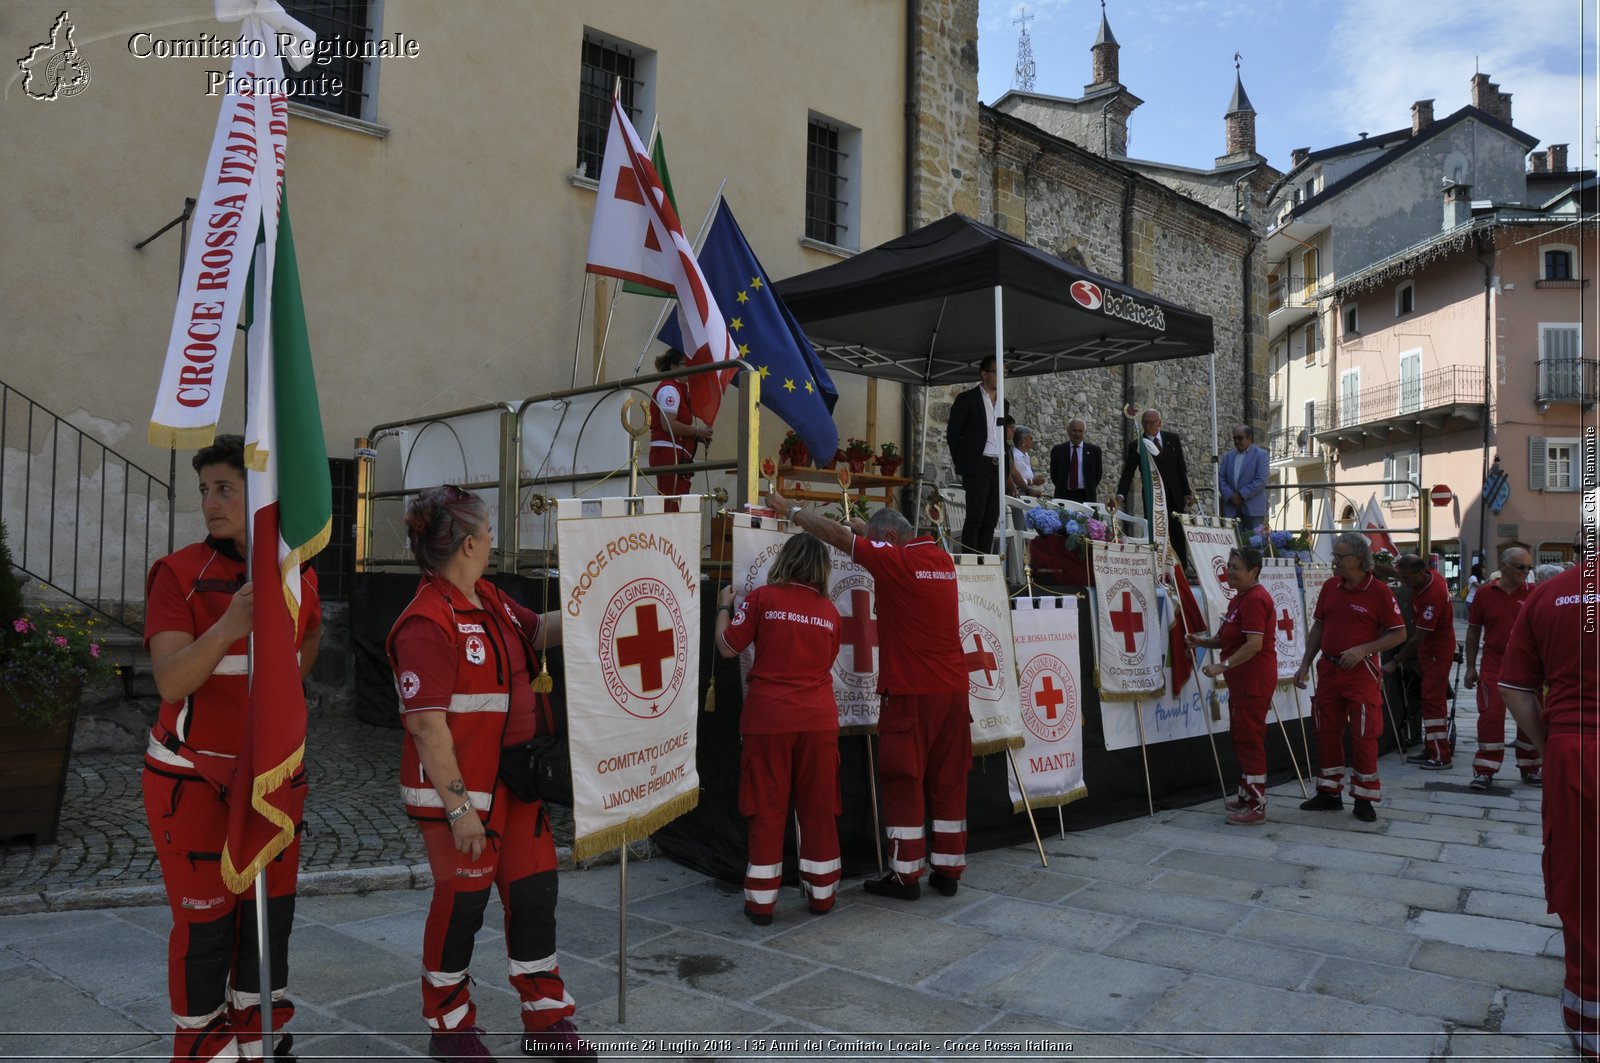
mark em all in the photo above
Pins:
pixel 872 792
pixel 1149 794
pixel 1011 757
pixel 1288 743
pixel 1194 663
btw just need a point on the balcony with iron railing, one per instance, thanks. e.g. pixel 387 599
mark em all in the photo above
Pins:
pixel 1290 300
pixel 1293 446
pixel 1445 399
pixel 1568 380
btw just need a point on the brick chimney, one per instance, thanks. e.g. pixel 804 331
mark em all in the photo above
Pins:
pixel 1484 93
pixel 1104 51
pixel 1536 163
pixel 1457 206
pixel 1558 158
pixel 1240 121
pixel 1298 156
pixel 1421 116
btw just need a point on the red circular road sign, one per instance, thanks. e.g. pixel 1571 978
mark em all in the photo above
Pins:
pixel 1441 495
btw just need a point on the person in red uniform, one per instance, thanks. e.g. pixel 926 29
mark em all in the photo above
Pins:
pixel 1249 664
pixel 197 626
pixel 1356 619
pixel 790 724
pixel 1493 609
pixel 1433 644
pixel 674 432
pixel 1555 646
pixel 924 728
pixel 464 656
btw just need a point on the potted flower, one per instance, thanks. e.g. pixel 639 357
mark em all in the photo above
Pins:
pixel 1280 543
pixel 1060 551
pixel 888 460
pixel 45 660
pixel 792 451
pixel 856 452
pixel 1383 565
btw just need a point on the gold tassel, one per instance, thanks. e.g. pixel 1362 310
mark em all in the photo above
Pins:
pixel 542 683
pixel 711 696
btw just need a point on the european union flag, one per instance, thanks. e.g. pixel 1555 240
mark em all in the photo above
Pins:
pixel 794 385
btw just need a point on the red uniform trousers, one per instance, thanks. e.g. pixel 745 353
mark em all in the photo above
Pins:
pixel 924 754
pixel 1248 728
pixel 1435 705
pixel 773 769
pixel 520 860
pixel 1492 731
pixel 1352 702
pixel 213 966
pixel 1571 809
pixel 671 483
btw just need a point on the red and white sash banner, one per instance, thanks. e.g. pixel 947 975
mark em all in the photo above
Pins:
pixel 991 662
pixel 630 604
pixel 1279 577
pixel 637 236
pixel 240 192
pixel 1131 636
pixel 1166 718
pixel 1050 693
pixel 756 542
pixel 1209 543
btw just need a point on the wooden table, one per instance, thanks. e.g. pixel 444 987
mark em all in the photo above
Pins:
pixel 822 485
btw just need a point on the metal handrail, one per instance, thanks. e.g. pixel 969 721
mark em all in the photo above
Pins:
pixel 54 450
pixel 1457 385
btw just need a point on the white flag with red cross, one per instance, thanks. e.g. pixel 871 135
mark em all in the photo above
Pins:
pixel 1278 576
pixel 756 542
pixel 1131 637
pixel 991 655
pixel 630 604
pixel 637 236
pixel 1051 692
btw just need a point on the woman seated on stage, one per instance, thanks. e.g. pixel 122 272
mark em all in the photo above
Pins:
pixel 1249 665
pixel 463 656
pixel 790 724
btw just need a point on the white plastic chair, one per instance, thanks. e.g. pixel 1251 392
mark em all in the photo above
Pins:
pixel 1021 534
pixel 1134 529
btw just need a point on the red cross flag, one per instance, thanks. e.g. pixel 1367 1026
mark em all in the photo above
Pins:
pixel 991 655
pixel 637 236
pixel 630 602
pixel 1050 765
pixel 1289 626
pixel 1131 640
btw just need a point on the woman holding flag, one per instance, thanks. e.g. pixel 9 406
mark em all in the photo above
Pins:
pixel 1249 665
pixel 464 657
pixel 197 628
pixel 674 432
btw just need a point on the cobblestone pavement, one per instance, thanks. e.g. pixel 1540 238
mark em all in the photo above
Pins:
pixel 354 818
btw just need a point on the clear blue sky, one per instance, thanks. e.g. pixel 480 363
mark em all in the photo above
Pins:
pixel 1319 72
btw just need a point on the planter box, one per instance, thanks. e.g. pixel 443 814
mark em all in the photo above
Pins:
pixel 33 773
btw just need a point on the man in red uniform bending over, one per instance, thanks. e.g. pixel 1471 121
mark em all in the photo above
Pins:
pixel 1555 645
pixel 1433 643
pixel 924 729
pixel 1493 610
pixel 1357 618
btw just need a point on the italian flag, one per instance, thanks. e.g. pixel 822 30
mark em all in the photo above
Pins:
pixel 291 509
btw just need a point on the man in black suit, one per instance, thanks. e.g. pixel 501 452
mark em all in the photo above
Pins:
pixel 975 448
pixel 1075 466
pixel 1168 461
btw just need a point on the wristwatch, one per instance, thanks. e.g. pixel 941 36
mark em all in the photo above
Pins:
pixel 459 811
pixel 793 510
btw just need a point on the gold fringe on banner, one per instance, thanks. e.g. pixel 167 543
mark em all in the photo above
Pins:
pixel 239 879
pixel 998 745
pixel 1131 696
pixel 636 827
pixel 170 438
pixel 1050 800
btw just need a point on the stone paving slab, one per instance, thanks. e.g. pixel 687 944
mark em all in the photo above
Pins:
pixel 1283 871
pixel 1457 999
pixel 1533 974
pixel 1091 991
pixel 1328 936
pixel 1172 909
pixel 1511 906
pixel 1213 887
pixel 1369 911
pixel 1250 962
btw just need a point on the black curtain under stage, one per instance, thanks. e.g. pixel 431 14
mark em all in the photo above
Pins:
pixel 711 838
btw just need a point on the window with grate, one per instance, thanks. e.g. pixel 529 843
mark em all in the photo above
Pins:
pixel 605 61
pixel 826 184
pixel 336 564
pixel 341 26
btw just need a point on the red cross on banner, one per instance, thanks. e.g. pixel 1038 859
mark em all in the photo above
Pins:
pixel 1049 698
pixel 861 632
pixel 647 647
pixel 1127 622
pixel 980 659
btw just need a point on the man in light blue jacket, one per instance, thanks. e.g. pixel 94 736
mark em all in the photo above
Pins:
pixel 1242 478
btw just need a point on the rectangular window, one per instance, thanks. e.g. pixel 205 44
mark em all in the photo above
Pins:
pixel 1555 464
pixel 833 171
pixel 605 62
pixel 1311 345
pixel 1558 265
pixel 1560 368
pixel 1349 397
pixel 341 26
pixel 1410 381
pixel 1400 470
pixel 1352 320
pixel 1405 299
pixel 1307 440
pixel 1308 266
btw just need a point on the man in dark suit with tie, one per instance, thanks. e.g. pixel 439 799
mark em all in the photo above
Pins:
pixel 1167 457
pixel 1075 466
pixel 975 449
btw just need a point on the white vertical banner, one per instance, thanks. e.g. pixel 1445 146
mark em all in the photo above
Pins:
pixel 1050 694
pixel 1166 718
pixel 1280 579
pixel 1131 634
pixel 630 602
pixel 1209 544
pixel 1312 576
pixel 756 542
pixel 987 642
